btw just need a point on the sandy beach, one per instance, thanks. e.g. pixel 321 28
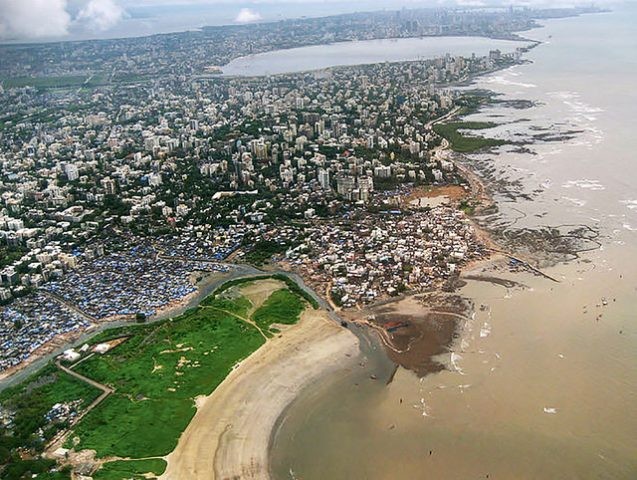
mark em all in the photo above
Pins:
pixel 230 433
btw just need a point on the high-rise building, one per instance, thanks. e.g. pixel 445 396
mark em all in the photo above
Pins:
pixel 344 185
pixel 154 179
pixel 366 183
pixel 382 171
pixel 72 172
pixel 109 185
pixel 324 178
pixel 259 149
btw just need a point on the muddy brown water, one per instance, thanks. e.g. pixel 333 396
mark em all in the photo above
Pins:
pixel 541 381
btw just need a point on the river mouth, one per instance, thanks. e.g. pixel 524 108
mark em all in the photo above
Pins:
pixel 416 330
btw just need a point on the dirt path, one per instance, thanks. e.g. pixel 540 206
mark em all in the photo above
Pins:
pixel 60 438
pixel 257 293
pixel 239 317
pixel 230 433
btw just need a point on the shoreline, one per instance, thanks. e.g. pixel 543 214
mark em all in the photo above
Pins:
pixel 58 344
pixel 230 435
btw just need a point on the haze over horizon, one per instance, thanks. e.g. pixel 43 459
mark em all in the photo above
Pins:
pixel 55 20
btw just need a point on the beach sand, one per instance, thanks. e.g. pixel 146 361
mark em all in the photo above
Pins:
pixel 230 433
pixel 259 291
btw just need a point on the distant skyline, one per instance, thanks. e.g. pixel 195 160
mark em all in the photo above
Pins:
pixel 50 20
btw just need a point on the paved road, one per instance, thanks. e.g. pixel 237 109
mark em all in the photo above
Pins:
pixel 70 306
pixel 236 272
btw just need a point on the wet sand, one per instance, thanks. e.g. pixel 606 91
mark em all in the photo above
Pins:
pixel 416 329
pixel 229 435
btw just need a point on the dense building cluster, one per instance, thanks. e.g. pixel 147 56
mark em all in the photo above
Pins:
pixel 191 173
pixel 383 255
pixel 30 322
pixel 128 283
pixel 203 242
pixel 125 165
pixel 198 165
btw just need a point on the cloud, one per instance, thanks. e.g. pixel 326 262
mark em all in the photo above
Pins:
pixel 100 14
pixel 247 15
pixel 33 18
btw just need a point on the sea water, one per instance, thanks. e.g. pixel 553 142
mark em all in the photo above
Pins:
pixel 363 52
pixel 542 381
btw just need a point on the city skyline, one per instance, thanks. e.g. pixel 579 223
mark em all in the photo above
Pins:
pixel 62 20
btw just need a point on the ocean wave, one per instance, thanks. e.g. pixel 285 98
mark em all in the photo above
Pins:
pixel 563 95
pixel 555 151
pixel 582 143
pixel 575 201
pixel 455 358
pixel 596 134
pixel 500 80
pixel 584 113
pixel 423 406
pixel 630 204
pixel 582 107
pixel 584 184
pixel 485 331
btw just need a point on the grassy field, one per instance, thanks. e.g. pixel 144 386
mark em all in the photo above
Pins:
pixel 162 367
pixel 466 144
pixel 282 307
pixel 30 402
pixel 156 374
pixel 239 306
pixel 131 469
pixel 291 284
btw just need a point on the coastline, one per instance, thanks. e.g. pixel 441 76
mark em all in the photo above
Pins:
pixel 58 344
pixel 229 436
pixel 234 432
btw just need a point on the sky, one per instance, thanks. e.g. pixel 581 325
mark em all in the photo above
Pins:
pixel 46 20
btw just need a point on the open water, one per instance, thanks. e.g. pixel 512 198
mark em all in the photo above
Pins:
pixel 542 381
